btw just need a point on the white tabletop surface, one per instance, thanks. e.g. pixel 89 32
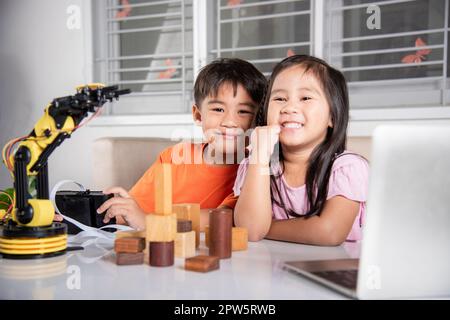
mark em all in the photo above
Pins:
pixel 92 274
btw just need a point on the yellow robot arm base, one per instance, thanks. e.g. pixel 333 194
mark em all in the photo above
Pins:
pixel 43 213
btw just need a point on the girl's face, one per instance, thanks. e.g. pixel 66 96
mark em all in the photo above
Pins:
pixel 299 106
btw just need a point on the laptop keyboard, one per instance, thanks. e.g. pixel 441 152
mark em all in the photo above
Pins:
pixel 345 278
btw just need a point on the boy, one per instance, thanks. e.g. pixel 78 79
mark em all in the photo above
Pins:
pixel 228 94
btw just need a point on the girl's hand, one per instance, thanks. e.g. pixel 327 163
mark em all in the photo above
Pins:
pixel 122 205
pixel 262 144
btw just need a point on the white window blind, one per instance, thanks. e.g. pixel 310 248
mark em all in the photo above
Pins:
pixel 262 32
pixel 147 47
pixel 402 64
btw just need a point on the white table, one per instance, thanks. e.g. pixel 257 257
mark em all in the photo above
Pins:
pixel 93 274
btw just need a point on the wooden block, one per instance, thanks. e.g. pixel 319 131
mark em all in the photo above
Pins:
pixel 190 211
pixel 160 228
pixel 220 225
pixel 162 254
pixel 129 234
pixel 185 244
pixel 184 225
pixel 207 236
pixel 239 239
pixel 163 189
pixel 129 245
pixel 124 259
pixel 202 263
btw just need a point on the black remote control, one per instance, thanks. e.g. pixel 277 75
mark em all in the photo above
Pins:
pixel 82 206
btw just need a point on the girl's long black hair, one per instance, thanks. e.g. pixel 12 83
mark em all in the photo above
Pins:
pixel 322 158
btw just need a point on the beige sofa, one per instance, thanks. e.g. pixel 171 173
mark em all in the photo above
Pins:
pixel 122 161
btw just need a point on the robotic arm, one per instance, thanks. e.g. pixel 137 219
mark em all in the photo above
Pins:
pixel 63 116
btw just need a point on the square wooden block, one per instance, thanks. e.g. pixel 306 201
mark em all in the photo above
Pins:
pixel 202 263
pixel 160 228
pixel 189 211
pixel 239 239
pixel 129 245
pixel 185 244
pixel 125 259
pixel 129 234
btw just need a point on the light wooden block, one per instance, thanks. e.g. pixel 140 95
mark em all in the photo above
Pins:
pixel 190 211
pixel 160 228
pixel 185 244
pixel 163 189
pixel 239 239
pixel 129 234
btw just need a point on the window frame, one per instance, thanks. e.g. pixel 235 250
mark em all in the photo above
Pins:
pixel 319 35
pixel 102 72
pixel 394 111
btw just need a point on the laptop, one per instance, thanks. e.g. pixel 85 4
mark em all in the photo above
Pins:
pixel 405 251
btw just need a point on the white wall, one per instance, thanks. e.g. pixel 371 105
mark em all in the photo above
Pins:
pixel 41 59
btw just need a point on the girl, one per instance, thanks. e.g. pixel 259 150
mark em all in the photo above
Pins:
pixel 317 192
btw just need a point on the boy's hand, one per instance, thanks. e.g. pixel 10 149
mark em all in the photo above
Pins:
pixel 122 205
pixel 262 143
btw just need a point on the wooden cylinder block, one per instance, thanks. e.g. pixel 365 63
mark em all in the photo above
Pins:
pixel 162 254
pixel 220 225
pixel 207 236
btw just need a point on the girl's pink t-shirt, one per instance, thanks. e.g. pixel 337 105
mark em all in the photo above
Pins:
pixel 349 178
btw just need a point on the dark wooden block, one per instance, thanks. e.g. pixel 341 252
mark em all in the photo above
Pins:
pixel 184 225
pixel 202 263
pixel 129 245
pixel 124 259
pixel 162 254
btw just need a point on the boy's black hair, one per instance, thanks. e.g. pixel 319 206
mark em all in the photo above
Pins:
pixel 233 71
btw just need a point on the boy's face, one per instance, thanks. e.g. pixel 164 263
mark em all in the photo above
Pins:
pixel 225 118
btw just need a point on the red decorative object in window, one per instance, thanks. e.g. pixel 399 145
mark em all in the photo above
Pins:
pixel 420 55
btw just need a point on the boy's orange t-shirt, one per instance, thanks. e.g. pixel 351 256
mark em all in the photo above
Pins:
pixel 208 185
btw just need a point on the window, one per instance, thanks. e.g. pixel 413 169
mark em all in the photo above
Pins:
pixel 262 32
pixel 146 46
pixel 157 47
pixel 401 64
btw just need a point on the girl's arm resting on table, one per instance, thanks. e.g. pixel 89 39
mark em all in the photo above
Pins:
pixel 254 208
pixel 331 228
